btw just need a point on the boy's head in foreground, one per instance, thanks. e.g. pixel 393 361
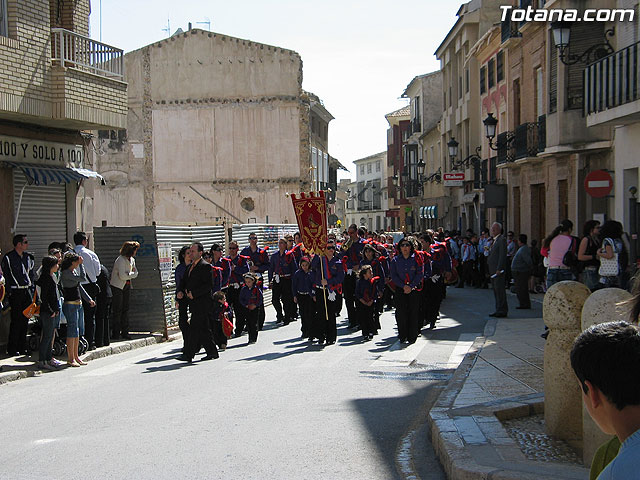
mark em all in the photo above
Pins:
pixel 606 360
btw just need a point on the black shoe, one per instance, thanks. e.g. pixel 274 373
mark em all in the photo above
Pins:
pixel 236 335
pixel 92 347
pixel 432 326
pixel 545 334
pixel 115 337
pixel 209 357
pixel 500 315
pixel 126 336
pixel 184 358
pixel 330 342
pixel 524 308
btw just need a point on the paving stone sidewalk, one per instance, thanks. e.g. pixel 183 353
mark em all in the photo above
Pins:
pixel 500 378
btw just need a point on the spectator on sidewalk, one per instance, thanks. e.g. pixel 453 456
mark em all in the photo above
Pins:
pixel 588 254
pixel 124 270
pixel 605 359
pixel 497 264
pixel 74 293
pixel 91 264
pixel 18 270
pixel 512 247
pixel 49 309
pixel 103 308
pixel 521 268
pixel 612 247
pixel 555 248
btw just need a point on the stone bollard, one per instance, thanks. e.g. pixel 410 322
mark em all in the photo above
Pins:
pixel 561 311
pixel 600 307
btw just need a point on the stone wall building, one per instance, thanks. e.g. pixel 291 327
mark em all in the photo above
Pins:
pixel 52 92
pixel 219 131
pixel 397 136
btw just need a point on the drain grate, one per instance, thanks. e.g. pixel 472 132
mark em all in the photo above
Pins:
pixel 420 376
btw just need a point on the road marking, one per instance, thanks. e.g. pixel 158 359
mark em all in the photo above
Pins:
pixel 462 347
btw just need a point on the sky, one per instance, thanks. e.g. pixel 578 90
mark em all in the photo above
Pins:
pixel 358 56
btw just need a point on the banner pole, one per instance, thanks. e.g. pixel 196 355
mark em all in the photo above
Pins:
pixel 326 287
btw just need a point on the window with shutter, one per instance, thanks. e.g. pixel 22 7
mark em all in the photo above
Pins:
pixel 500 66
pixel 483 76
pixel 583 36
pixel 491 72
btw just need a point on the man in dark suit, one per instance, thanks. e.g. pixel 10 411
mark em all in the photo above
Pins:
pixel 497 264
pixel 197 284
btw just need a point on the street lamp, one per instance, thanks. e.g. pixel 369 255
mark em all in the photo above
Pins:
pixel 421 166
pixel 490 124
pixel 562 35
pixel 394 180
pixel 453 148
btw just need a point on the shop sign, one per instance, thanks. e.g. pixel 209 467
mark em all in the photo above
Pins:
pixel 27 150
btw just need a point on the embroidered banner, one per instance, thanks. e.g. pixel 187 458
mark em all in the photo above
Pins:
pixel 311 214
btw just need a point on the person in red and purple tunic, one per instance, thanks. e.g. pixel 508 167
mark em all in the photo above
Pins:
pixel 282 266
pixel 366 292
pixel 328 275
pixel 304 295
pixel 407 273
pixel 251 299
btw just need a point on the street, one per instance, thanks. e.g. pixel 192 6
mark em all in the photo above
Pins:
pixel 277 409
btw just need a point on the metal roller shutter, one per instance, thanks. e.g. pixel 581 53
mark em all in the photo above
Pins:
pixel 43 214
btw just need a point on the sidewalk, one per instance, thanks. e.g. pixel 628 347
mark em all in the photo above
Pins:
pixel 16 368
pixel 501 378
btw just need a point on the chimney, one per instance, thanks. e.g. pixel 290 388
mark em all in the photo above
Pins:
pixel 189 25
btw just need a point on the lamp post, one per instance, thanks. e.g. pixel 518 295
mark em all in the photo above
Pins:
pixel 561 37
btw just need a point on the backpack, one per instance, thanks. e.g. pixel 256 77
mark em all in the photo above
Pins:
pixel 570 258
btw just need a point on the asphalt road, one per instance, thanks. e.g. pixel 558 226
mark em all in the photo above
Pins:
pixel 279 409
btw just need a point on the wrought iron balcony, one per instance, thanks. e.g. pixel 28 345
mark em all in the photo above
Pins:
pixel 525 141
pixel 509 30
pixel 612 81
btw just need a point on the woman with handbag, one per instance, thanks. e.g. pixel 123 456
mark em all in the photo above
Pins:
pixel 609 254
pixel 556 247
pixel 73 293
pixel 124 270
pixel 588 254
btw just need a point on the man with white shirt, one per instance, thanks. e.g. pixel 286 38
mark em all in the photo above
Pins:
pixel 91 264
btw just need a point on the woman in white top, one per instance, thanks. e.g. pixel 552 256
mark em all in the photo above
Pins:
pixel 124 270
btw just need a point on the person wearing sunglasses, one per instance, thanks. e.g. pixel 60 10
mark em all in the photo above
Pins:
pixel 407 274
pixel 18 269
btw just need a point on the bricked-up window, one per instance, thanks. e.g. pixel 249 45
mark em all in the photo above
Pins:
pixel 466 75
pixel 483 77
pixel 4 24
pixel 491 72
pixel 500 66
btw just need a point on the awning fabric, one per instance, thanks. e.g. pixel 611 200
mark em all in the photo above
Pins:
pixel 52 175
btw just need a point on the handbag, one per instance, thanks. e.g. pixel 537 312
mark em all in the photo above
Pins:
pixel 227 327
pixel 32 309
pixel 609 266
pixel 570 258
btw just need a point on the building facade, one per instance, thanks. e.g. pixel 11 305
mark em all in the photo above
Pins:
pixel 397 135
pixel 368 195
pixel 461 105
pixel 219 131
pixel 57 85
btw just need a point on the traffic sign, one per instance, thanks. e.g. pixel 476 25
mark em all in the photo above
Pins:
pixel 453 179
pixel 598 183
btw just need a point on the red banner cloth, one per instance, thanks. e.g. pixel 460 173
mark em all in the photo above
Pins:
pixel 311 214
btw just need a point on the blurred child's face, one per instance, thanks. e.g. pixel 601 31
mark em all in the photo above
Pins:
pixel 304 266
pixel 54 269
pixel 249 281
pixel 223 299
pixel 367 274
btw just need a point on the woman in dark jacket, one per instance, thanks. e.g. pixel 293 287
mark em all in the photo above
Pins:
pixel 49 308
pixel 184 259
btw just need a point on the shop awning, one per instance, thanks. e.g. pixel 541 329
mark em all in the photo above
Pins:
pixel 51 174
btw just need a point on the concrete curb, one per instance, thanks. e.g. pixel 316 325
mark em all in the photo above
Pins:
pixel 471 442
pixel 31 371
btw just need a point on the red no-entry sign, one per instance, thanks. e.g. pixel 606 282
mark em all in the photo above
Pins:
pixel 598 183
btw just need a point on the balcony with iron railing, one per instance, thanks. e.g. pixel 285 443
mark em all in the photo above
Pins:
pixel 612 88
pixel 87 82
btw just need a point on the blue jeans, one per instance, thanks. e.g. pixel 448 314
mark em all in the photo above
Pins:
pixel 591 279
pixel 48 325
pixel 75 319
pixel 555 275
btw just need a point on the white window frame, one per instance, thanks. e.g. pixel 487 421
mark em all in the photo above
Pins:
pixel 368 167
pixel 378 166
